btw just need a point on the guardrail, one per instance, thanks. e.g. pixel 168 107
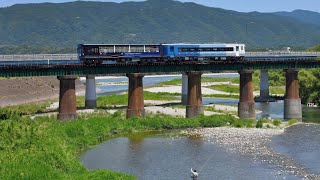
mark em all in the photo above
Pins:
pixel 281 53
pixel 17 57
pixel 38 62
pixel 22 57
pixel 61 59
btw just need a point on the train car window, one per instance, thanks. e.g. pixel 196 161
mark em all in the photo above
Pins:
pixel 242 48
pixel 171 48
pixel 122 48
pixel 152 49
pixel 237 48
pixel 106 49
pixel 183 49
pixel 137 49
pixel 91 50
pixel 206 49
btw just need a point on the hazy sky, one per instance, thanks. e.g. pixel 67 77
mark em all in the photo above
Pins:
pixel 238 5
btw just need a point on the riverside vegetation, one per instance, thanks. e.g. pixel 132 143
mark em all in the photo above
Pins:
pixel 44 148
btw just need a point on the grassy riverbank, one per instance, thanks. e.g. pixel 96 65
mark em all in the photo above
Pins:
pixel 45 148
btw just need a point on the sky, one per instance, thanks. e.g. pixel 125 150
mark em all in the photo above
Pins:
pixel 237 5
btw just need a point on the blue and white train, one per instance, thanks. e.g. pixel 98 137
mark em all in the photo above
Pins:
pixel 123 53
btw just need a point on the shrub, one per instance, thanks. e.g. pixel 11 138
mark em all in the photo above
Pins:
pixel 277 122
pixel 292 121
pixel 243 123
pixel 8 114
pixel 259 124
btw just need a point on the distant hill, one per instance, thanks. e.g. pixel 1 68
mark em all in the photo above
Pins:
pixel 49 28
pixel 303 16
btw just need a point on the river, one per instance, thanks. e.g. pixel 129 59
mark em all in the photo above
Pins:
pixel 157 156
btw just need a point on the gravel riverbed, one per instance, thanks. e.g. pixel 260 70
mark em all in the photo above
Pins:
pixel 253 142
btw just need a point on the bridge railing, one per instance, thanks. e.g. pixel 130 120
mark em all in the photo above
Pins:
pixel 281 53
pixel 20 57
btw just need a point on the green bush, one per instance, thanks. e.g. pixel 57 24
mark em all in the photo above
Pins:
pixel 216 121
pixel 243 123
pixel 292 121
pixel 8 114
pixel 45 148
pixel 259 124
pixel 277 122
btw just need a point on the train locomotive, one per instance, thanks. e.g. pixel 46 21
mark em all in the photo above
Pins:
pixel 95 54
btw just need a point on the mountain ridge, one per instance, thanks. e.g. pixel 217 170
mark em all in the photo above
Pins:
pixel 61 26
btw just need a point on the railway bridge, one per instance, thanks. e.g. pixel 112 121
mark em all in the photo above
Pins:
pixel 67 67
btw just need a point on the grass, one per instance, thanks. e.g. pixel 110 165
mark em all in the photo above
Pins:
pixel 178 106
pixel 292 121
pixel 45 148
pixel 230 96
pixel 122 99
pixel 277 89
pixel 210 108
pixel 30 108
pixel 232 89
pixel 160 96
pixel 276 122
pixel 203 80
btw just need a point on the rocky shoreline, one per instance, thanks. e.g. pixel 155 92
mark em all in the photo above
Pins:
pixel 255 143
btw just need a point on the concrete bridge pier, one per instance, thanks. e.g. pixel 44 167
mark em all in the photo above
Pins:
pixel 67 98
pixel 292 102
pixel 91 95
pixel 194 102
pixel 135 96
pixel 264 87
pixel 184 93
pixel 246 106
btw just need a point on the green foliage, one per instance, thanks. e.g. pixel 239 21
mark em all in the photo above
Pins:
pixel 170 82
pixel 315 48
pixel 243 123
pixel 277 78
pixel 277 89
pixel 232 89
pixel 218 121
pixel 45 148
pixel 30 108
pixel 122 99
pixel 309 83
pixel 277 122
pixel 221 96
pixel 8 114
pixel 160 96
pixel 292 121
pixel 259 124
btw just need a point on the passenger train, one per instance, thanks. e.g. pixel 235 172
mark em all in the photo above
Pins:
pixel 94 54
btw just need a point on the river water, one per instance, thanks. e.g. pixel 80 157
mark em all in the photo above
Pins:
pixel 157 156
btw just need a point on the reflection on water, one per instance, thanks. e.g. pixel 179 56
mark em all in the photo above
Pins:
pixel 171 158
pixel 269 109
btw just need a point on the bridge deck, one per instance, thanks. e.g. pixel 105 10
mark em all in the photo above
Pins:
pixel 78 69
pixel 68 64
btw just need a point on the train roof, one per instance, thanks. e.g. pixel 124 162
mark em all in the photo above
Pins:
pixel 120 44
pixel 215 44
pixel 175 44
